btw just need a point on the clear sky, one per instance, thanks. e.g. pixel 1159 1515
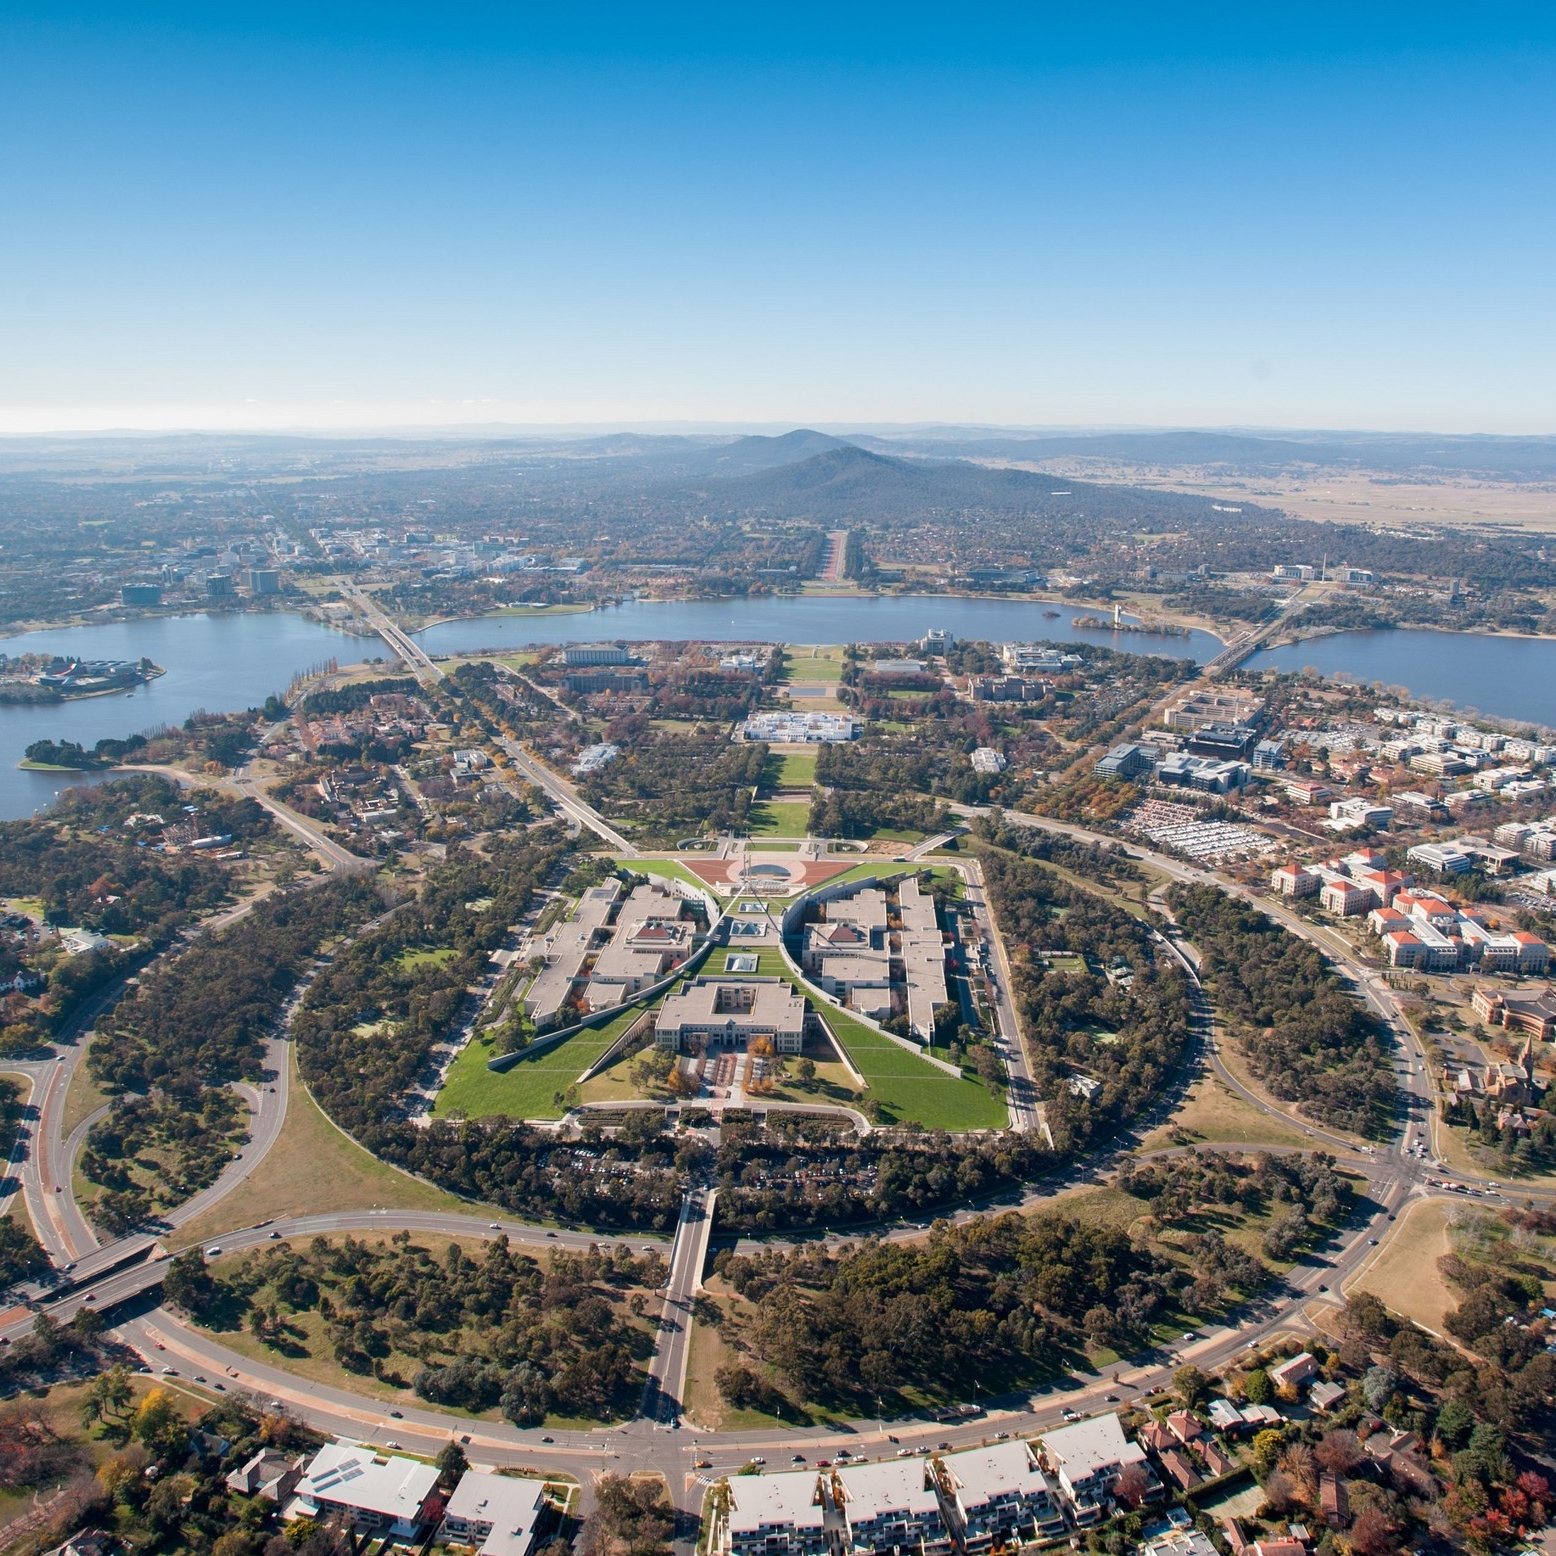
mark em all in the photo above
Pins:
pixel 230 214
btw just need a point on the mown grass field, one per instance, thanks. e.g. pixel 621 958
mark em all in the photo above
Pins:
pixel 528 1088
pixel 793 770
pixel 908 1086
pixel 779 818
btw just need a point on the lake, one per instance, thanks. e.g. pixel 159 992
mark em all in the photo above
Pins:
pixel 1512 678
pixel 219 662
pixel 225 661
pixel 809 619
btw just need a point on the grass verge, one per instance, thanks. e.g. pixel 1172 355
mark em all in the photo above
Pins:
pixel 314 1168
pixel 1405 1276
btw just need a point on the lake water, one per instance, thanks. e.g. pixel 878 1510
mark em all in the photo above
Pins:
pixel 228 661
pixel 808 619
pixel 1512 678
pixel 218 662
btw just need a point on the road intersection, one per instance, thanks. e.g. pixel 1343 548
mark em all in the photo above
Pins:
pixel 661 1439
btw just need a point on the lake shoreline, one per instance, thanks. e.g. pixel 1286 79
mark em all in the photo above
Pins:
pixel 1321 632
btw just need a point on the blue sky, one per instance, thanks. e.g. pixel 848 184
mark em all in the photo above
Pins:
pixel 331 216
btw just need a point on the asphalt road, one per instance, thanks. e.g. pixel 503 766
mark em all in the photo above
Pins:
pixel 664 1392
pixel 664 1442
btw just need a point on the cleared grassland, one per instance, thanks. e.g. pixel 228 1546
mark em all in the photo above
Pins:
pixel 1215 1113
pixel 314 1167
pixel 1405 1276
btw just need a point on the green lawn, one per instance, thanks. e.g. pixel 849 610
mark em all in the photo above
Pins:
pixel 409 960
pixel 803 669
pixel 907 1085
pixel 669 869
pixel 779 818
pixel 527 1088
pixel 795 770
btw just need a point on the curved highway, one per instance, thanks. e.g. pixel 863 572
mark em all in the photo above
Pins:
pixel 660 1439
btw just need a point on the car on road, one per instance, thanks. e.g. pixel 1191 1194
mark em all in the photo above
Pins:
pixel 823 1464
pixel 756 1458
pixel 399 1415
pixel 274 1236
pixel 170 1372
pixel 1000 1437
pixel 548 1439
pixel 703 1464
pixel 391 1443
pixel 798 1458
pixel 494 1226
pixel 213 1250
pixel 1070 1415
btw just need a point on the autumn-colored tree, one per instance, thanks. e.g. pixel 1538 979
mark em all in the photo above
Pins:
pixel 1338 1452
pixel 1372 1534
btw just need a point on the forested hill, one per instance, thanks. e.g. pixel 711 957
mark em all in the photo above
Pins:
pixel 847 483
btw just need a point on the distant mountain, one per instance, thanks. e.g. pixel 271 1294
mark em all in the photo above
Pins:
pixel 850 483
pixel 1146 448
pixel 760 453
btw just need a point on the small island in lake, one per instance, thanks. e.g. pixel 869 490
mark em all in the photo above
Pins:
pixel 70 756
pixel 55 678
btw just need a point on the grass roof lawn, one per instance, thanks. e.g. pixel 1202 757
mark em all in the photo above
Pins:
pixel 669 869
pixel 902 1081
pixel 526 1089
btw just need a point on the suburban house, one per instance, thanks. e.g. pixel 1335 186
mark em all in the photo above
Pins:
pixel 776 1515
pixel 267 1474
pixel 1294 1372
pixel 498 1514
